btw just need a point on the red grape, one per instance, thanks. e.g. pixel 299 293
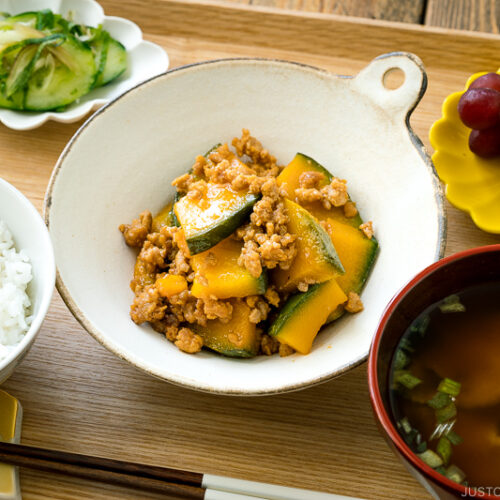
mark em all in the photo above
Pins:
pixel 480 108
pixel 488 81
pixel 485 143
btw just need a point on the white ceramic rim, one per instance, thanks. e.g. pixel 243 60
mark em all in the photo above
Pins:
pixel 48 287
pixel 181 381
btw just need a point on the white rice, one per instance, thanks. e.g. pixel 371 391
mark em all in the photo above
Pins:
pixel 15 275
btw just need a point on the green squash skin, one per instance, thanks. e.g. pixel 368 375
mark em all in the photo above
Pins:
pixel 224 347
pixel 224 227
pixel 355 221
pixel 315 166
pixel 322 239
pixel 173 217
pixel 262 282
pixel 293 305
pixel 178 196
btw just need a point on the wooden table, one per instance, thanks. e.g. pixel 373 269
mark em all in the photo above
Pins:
pixel 88 401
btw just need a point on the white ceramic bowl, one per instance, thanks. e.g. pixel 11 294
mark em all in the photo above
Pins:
pixel 30 233
pixel 124 158
pixel 145 59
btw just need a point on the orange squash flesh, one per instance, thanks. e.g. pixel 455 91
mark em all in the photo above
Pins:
pixel 170 285
pixel 305 313
pixel 289 181
pixel 163 218
pixel 237 338
pixel 316 259
pixel 218 273
pixel 356 252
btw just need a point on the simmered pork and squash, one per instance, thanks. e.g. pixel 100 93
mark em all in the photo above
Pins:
pixel 250 257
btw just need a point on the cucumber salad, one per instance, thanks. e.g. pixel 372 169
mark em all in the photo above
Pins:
pixel 48 62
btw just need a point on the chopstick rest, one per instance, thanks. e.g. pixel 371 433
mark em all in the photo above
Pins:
pixel 242 489
pixel 10 431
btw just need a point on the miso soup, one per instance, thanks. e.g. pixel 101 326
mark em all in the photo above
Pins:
pixel 445 386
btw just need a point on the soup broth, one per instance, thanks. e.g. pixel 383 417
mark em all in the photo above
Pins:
pixel 445 386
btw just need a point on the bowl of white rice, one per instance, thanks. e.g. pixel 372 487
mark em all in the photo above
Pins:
pixel 27 276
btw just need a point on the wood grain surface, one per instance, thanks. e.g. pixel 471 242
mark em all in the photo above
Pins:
pixel 80 398
pixel 410 11
pixel 477 15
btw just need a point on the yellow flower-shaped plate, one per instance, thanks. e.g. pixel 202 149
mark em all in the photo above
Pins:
pixel 472 183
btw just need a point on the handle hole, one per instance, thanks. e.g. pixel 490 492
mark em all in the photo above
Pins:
pixel 393 78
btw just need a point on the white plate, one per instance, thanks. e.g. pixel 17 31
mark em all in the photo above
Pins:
pixel 145 60
pixel 355 127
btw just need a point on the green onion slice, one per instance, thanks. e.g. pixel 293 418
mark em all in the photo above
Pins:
pixel 406 379
pixel 439 400
pixel 450 387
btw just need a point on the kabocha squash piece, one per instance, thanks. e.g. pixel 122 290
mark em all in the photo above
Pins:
pixel 164 218
pixel 289 177
pixel 316 260
pixel 213 217
pixel 289 181
pixel 171 284
pixel 357 254
pixel 218 273
pixel 301 318
pixel 237 338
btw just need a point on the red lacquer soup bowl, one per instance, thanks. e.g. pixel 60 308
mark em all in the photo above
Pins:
pixel 448 276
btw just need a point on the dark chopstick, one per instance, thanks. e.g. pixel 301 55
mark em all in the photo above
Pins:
pixel 178 483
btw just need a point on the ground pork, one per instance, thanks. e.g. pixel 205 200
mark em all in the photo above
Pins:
pixel 269 345
pixel 333 194
pixel 354 303
pixel 136 233
pixel 263 162
pixel 267 242
pixel 285 350
pixel 148 305
pixel 188 341
pixel 350 209
pixel 259 308
pixel 367 228
pixel 311 179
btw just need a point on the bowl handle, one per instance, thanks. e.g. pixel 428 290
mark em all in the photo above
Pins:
pixel 400 101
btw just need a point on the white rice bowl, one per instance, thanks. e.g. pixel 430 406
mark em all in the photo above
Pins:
pixel 15 304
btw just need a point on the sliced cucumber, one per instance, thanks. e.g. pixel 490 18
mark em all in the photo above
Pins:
pixel 112 57
pixel 48 62
pixel 71 77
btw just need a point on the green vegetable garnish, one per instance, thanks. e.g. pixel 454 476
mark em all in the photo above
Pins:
pixel 455 474
pixel 450 387
pixel 420 326
pixel 400 360
pixel 446 413
pixel 452 304
pixel 443 448
pixel 439 400
pixel 431 458
pixel 406 379
pixel 47 62
pixel 454 438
